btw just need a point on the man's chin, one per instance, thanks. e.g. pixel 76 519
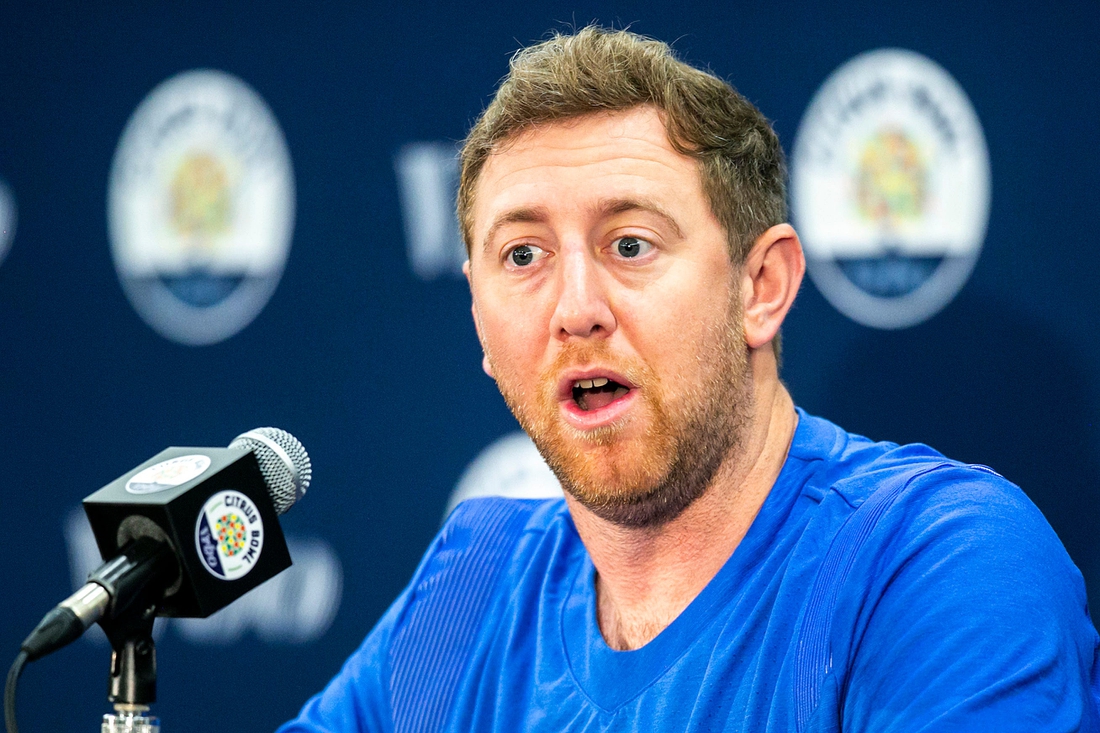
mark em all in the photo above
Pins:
pixel 635 483
pixel 631 507
pixel 608 456
pixel 615 484
pixel 609 443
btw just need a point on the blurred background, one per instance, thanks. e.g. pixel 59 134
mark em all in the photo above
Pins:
pixel 271 242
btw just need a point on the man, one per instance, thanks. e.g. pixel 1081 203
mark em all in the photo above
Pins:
pixel 722 561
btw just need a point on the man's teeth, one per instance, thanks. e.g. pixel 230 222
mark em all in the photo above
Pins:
pixel 591 394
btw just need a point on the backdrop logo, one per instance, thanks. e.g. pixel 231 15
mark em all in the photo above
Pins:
pixel 7 219
pixel 510 466
pixel 229 535
pixel 201 207
pixel 890 188
pixel 168 474
pixel 427 178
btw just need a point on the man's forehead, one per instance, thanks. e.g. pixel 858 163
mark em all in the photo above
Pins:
pixel 563 140
pixel 609 161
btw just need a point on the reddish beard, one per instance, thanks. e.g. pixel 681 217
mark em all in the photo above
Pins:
pixel 647 468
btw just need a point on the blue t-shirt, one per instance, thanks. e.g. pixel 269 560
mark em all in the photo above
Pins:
pixel 946 604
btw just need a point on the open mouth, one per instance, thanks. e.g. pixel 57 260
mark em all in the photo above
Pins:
pixel 592 394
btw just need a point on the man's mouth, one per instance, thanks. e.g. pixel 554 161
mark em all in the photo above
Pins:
pixel 592 394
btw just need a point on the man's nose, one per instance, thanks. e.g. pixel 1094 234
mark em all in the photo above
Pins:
pixel 583 309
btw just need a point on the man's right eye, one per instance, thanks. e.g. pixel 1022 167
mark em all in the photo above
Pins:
pixel 525 254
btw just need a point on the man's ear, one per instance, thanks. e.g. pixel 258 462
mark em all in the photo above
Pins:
pixel 488 369
pixel 770 279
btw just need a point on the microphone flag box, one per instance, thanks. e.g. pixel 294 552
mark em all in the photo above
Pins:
pixel 212 506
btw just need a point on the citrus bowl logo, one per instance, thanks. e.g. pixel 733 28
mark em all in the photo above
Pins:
pixel 168 474
pixel 890 188
pixel 229 535
pixel 201 207
pixel 7 219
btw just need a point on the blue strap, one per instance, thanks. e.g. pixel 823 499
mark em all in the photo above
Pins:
pixel 813 660
pixel 430 650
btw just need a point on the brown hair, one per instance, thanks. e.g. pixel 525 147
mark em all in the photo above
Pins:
pixel 595 69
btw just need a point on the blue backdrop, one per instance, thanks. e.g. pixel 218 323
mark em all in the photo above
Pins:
pixel 372 360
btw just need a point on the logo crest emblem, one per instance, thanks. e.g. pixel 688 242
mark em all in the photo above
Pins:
pixel 229 535
pixel 201 207
pixel 510 466
pixel 890 188
pixel 7 219
pixel 168 474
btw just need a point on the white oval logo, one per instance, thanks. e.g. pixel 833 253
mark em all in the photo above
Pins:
pixel 201 207
pixel 229 535
pixel 510 466
pixel 890 188
pixel 168 474
pixel 7 219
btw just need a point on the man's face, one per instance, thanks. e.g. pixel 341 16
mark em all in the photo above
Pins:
pixel 610 312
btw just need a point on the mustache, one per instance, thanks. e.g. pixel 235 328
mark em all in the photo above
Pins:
pixel 586 353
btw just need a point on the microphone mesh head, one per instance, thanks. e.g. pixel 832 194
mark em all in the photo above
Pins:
pixel 283 461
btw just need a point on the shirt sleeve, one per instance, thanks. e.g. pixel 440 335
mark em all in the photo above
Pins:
pixel 970 616
pixel 357 699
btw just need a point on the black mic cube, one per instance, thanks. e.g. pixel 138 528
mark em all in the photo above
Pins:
pixel 213 507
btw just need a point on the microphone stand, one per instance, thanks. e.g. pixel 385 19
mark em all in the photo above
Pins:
pixel 133 678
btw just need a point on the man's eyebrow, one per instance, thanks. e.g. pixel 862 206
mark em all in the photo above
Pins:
pixel 515 216
pixel 622 206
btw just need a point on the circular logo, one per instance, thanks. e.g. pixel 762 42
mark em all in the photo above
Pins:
pixel 510 467
pixel 168 474
pixel 201 207
pixel 7 219
pixel 229 535
pixel 890 188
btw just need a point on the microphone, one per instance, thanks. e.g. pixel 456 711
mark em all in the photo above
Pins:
pixel 187 532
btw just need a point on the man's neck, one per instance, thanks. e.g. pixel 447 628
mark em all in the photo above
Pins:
pixel 647 576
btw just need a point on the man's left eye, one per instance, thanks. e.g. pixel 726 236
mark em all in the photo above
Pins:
pixel 525 254
pixel 631 247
